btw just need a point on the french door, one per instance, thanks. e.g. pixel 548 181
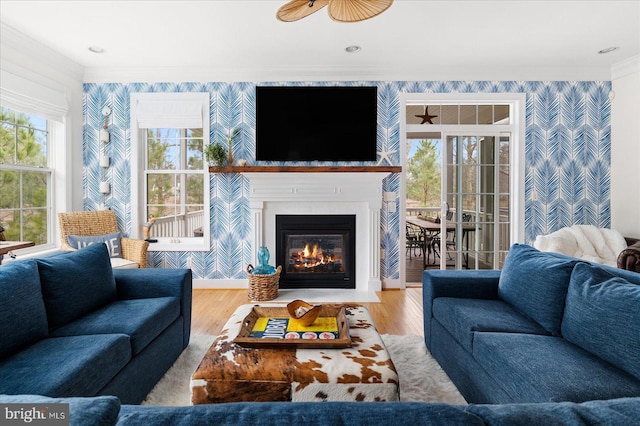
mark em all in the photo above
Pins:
pixel 476 199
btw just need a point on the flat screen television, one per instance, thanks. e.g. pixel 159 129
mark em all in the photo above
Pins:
pixel 316 123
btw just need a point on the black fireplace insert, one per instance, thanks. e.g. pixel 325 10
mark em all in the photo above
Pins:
pixel 316 251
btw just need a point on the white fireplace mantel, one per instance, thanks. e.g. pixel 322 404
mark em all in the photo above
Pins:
pixel 311 193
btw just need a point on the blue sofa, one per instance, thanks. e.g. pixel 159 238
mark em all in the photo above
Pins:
pixel 545 328
pixel 72 326
pixel 108 411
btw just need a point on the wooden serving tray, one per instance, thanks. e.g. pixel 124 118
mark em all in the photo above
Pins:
pixel 244 336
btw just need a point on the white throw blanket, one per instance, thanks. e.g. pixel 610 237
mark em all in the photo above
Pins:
pixel 587 242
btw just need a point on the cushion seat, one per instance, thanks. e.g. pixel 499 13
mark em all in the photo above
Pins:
pixel 141 319
pixel 65 366
pixel 534 368
pixel 462 318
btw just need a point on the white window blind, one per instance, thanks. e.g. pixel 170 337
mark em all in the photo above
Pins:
pixel 27 96
pixel 177 114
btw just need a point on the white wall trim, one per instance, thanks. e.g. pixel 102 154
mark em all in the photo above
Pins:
pixel 220 284
pixel 16 44
pixel 337 73
pixel 626 67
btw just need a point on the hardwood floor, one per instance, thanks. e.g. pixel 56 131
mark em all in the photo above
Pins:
pixel 399 312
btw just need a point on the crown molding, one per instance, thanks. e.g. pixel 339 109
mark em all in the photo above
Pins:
pixel 20 53
pixel 333 73
pixel 627 67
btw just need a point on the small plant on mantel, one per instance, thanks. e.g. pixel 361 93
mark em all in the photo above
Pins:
pixel 215 154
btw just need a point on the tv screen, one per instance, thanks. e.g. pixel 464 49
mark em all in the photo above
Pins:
pixel 316 123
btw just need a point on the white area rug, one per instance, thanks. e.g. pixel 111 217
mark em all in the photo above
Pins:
pixel 421 378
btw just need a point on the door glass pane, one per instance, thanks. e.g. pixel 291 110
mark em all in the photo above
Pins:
pixel 468 114
pixel 449 114
pixel 501 114
pixel 485 114
pixel 469 179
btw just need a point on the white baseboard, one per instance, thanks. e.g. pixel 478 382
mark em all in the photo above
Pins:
pixel 392 284
pixel 219 284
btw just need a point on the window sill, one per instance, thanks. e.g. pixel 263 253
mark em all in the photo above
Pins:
pixel 184 244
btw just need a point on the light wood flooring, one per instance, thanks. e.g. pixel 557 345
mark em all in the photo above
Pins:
pixel 399 312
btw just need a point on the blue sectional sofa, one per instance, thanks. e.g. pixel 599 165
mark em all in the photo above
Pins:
pixel 107 411
pixel 71 326
pixel 545 328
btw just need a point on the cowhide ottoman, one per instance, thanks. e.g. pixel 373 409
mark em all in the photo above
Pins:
pixel 231 373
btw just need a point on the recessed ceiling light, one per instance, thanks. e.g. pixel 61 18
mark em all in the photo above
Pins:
pixel 608 49
pixel 352 49
pixel 96 49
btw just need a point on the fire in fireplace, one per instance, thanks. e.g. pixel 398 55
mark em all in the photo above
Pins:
pixel 316 251
pixel 310 254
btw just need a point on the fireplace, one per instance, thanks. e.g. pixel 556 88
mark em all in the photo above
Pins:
pixel 316 251
pixel 322 193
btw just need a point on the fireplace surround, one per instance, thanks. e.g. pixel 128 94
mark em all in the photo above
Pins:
pixel 322 193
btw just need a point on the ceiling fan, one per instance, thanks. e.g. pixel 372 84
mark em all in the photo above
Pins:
pixel 339 10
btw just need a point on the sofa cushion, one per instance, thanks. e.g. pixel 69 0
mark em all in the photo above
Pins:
pixel 75 283
pixel 534 368
pixel 23 319
pixel 622 411
pixel 284 413
pixel 112 241
pixel 96 411
pixel 602 316
pixel 65 366
pixel 141 319
pixel 463 317
pixel 536 283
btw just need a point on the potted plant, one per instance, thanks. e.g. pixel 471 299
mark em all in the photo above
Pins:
pixel 215 154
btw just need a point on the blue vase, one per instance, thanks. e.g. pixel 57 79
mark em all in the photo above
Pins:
pixel 263 262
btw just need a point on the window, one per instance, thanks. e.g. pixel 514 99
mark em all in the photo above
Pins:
pixel 25 177
pixel 169 132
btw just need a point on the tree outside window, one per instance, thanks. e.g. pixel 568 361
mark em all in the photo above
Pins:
pixel 25 177
pixel 423 177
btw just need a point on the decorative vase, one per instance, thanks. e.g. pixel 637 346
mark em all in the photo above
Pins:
pixel 263 262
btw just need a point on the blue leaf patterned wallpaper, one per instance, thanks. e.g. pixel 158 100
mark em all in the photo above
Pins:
pixel 567 151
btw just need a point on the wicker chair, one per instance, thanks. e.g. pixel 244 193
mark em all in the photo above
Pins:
pixel 92 223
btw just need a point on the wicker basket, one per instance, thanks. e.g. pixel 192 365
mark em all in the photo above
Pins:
pixel 263 286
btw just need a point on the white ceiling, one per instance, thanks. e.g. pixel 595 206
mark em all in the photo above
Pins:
pixel 238 40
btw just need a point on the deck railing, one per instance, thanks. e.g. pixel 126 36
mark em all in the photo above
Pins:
pixel 181 225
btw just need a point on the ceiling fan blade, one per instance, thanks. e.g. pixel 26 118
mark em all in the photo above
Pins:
pixel 356 10
pixel 298 9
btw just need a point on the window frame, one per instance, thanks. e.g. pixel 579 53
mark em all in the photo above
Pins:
pixel 54 161
pixel 139 174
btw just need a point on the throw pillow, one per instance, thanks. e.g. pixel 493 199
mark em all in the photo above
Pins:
pixel 602 316
pixel 112 241
pixel 75 283
pixel 535 283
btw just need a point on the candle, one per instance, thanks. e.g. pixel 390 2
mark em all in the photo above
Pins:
pixel 105 188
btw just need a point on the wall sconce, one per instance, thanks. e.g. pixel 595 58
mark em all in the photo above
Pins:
pixel 104 133
pixel 105 161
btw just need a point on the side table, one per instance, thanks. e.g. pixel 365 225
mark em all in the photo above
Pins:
pixel 8 246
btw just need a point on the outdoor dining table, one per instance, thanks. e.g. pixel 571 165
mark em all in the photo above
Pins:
pixel 433 229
